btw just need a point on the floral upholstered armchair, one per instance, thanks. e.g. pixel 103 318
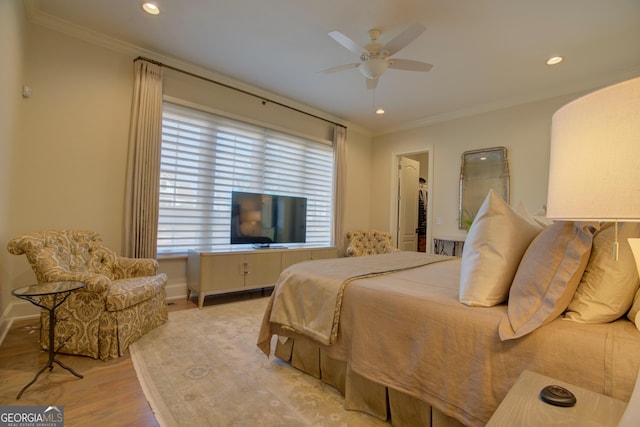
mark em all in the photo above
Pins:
pixel 368 243
pixel 124 298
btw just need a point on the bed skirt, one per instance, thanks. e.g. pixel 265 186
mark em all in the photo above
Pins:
pixel 360 394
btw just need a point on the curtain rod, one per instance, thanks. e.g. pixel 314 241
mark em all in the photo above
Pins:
pixel 264 99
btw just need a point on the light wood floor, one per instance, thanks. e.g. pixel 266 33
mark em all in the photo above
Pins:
pixel 108 395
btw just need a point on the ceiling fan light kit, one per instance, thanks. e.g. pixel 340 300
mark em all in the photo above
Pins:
pixel 375 57
pixel 373 68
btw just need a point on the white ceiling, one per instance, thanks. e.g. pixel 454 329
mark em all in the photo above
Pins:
pixel 486 53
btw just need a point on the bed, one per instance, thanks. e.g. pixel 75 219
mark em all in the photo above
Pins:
pixel 398 342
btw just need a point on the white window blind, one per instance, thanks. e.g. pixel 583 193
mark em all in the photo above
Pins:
pixel 205 157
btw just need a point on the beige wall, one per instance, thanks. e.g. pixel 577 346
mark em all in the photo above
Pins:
pixel 12 47
pixel 68 159
pixel 227 101
pixel 63 163
pixel 523 129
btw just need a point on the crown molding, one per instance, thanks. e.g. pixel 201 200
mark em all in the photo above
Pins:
pixel 514 101
pixel 36 16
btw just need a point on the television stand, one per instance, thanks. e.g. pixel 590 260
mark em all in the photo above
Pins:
pixel 219 271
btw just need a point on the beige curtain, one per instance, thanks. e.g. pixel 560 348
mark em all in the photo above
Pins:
pixel 340 150
pixel 143 162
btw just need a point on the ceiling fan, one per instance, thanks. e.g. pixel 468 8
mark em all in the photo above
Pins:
pixel 376 57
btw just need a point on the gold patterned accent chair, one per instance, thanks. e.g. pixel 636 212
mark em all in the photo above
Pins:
pixel 368 242
pixel 124 298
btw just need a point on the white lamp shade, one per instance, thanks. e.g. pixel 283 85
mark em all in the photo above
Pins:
pixel 594 168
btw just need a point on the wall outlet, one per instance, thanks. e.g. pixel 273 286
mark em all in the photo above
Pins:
pixel 438 220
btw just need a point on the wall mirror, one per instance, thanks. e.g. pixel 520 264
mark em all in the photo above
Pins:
pixel 480 171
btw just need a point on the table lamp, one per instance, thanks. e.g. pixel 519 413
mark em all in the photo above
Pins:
pixel 594 166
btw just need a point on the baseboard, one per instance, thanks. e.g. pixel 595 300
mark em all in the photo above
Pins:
pixel 176 291
pixel 16 310
pixel 20 309
pixel 5 325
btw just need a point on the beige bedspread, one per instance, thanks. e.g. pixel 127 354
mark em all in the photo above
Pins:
pixel 308 296
pixel 408 331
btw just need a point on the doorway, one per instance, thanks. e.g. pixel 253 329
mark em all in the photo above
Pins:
pixel 411 212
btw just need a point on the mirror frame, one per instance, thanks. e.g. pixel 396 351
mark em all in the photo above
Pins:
pixel 472 196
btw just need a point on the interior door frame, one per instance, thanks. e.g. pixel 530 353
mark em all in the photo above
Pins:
pixel 393 225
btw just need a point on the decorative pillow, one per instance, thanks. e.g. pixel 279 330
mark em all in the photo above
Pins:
pixel 606 290
pixel 634 312
pixel 492 251
pixel 547 277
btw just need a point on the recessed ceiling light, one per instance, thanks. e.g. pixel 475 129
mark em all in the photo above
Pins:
pixel 554 60
pixel 150 7
pixel 379 111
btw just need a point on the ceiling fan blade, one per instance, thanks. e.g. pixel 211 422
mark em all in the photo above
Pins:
pixel 372 83
pixel 409 65
pixel 404 38
pixel 339 68
pixel 347 42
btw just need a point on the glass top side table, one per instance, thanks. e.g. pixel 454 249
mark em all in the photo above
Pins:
pixel 48 296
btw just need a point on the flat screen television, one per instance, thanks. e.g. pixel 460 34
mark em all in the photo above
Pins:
pixel 264 219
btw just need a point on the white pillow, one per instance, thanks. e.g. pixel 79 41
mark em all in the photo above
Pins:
pixel 607 287
pixel 496 241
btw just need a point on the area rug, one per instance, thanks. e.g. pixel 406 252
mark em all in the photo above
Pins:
pixel 202 368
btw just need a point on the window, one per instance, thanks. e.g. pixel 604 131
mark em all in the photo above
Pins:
pixel 205 157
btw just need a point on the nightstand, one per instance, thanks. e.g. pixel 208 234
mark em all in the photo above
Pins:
pixel 523 406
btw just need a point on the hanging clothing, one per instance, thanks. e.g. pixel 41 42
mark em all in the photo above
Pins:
pixel 423 195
